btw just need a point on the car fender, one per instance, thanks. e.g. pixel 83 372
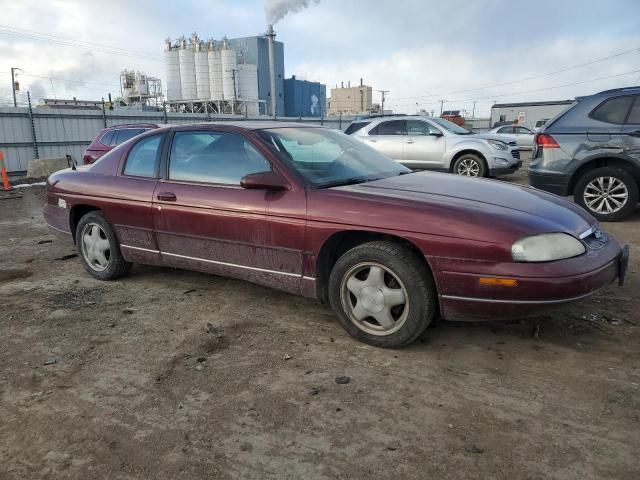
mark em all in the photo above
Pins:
pixel 577 166
pixel 477 145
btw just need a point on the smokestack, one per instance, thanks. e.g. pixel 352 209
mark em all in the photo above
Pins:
pixel 271 35
pixel 361 83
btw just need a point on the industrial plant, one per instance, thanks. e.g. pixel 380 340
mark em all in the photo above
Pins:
pixel 243 75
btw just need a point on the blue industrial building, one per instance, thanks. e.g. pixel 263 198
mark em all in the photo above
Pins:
pixel 255 50
pixel 303 98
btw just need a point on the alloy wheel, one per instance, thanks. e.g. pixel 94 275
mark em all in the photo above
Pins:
pixel 606 195
pixel 374 299
pixel 96 248
pixel 469 167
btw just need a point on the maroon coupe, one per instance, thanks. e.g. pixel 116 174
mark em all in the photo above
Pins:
pixel 316 213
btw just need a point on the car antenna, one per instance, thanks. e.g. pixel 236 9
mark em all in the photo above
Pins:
pixel 70 162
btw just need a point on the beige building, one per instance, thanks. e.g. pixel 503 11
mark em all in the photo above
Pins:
pixel 350 100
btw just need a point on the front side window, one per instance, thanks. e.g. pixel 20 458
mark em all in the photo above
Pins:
pixel 392 127
pixel 127 134
pixel 142 160
pixel 325 158
pixel 418 127
pixel 213 157
pixel 613 110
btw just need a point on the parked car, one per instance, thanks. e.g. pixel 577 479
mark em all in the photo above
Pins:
pixel 437 144
pixel 591 151
pixel 108 138
pixel 317 213
pixel 523 136
pixel 540 124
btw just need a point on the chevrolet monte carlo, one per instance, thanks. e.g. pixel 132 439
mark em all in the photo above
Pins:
pixel 313 212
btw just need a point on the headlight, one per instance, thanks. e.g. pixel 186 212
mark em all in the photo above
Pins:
pixel 498 145
pixel 546 247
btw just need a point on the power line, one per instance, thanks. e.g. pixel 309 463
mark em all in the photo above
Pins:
pixel 65 41
pixel 543 75
pixel 534 90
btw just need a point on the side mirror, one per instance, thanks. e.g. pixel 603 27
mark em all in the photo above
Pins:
pixel 435 134
pixel 264 181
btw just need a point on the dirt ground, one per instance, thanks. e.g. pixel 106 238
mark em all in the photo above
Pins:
pixel 168 374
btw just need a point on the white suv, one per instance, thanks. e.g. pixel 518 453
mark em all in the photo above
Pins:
pixel 437 144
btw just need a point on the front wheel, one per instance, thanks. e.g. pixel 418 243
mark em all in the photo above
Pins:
pixel 609 194
pixel 470 165
pixel 382 294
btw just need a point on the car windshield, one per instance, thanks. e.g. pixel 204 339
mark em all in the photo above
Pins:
pixel 450 127
pixel 326 159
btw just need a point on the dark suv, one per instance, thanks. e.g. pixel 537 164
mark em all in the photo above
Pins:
pixel 110 137
pixel 592 151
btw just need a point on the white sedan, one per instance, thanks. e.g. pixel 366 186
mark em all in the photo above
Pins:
pixel 522 135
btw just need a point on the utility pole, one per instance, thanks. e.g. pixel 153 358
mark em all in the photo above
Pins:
pixel 382 92
pixel 473 115
pixel 13 84
pixel 441 105
pixel 235 96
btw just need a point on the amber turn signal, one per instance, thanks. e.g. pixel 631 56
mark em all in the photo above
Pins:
pixel 498 282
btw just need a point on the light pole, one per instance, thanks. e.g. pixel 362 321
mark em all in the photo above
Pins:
pixel 13 84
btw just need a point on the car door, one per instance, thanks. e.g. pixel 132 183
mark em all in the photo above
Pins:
pixel 424 145
pixel 524 137
pixel 388 137
pixel 204 219
pixel 129 206
pixel 631 132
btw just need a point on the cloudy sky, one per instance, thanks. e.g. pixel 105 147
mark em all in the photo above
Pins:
pixel 421 51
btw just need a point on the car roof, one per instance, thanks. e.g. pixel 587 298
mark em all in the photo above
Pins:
pixel 133 125
pixel 246 125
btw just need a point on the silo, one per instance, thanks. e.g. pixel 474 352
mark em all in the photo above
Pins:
pixel 202 72
pixel 187 70
pixel 215 72
pixel 229 63
pixel 247 83
pixel 172 65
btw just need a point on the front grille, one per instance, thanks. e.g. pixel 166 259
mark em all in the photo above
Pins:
pixel 515 153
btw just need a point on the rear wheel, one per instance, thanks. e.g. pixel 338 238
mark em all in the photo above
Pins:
pixel 609 193
pixel 382 294
pixel 98 248
pixel 470 165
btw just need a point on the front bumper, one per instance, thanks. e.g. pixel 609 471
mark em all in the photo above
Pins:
pixel 494 172
pixel 464 299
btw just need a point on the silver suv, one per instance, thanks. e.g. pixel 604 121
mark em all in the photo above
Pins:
pixel 437 144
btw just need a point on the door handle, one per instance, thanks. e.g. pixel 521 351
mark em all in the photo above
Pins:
pixel 373 140
pixel 635 133
pixel 411 141
pixel 167 196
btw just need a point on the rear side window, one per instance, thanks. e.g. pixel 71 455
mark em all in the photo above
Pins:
pixel 634 115
pixel 355 126
pixel 392 127
pixel 107 138
pixel 127 134
pixel 506 130
pixel 142 160
pixel 613 110
pixel 214 157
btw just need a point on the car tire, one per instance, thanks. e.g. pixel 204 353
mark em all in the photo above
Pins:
pixel 470 165
pixel 391 283
pixel 599 191
pixel 98 248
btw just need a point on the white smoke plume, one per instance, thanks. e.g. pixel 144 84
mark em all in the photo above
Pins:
pixel 276 10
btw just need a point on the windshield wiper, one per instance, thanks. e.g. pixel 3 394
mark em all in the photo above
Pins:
pixel 345 181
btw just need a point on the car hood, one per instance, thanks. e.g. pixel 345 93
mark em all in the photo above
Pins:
pixel 493 136
pixel 446 203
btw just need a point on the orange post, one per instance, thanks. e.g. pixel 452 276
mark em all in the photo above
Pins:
pixel 3 172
